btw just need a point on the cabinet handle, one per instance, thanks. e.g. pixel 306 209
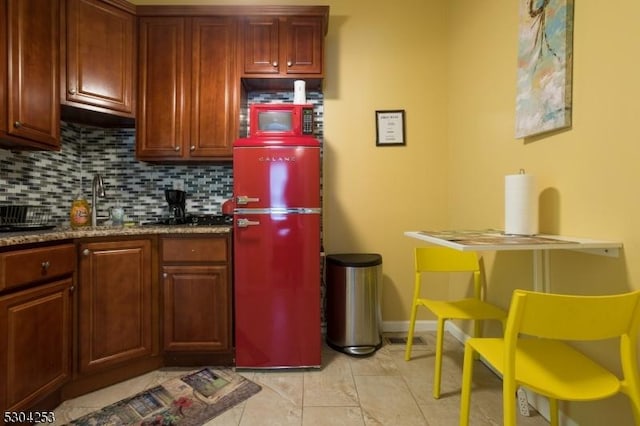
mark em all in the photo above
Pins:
pixel 17 124
pixel 72 91
pixel 85 252
pixel 289 63
pixel 274 63
pixel 45 265
pixel 177 148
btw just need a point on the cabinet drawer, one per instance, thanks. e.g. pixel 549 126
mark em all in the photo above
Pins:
pixel 200 249
pixel 24 266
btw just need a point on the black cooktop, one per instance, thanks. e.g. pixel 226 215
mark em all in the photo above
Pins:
pixel 194 220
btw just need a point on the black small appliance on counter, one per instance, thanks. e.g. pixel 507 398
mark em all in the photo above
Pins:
pixel 178 216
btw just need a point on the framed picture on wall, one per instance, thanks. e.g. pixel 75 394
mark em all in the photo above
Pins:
pixel 390 128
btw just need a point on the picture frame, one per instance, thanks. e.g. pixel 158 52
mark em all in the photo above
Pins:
pixel 390 129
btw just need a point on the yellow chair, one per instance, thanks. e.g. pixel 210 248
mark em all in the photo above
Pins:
pixel 446 260
pixel 543 362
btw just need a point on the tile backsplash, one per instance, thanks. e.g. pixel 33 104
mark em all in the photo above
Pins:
pixel 53 179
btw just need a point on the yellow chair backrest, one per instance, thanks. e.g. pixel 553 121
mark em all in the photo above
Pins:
pixel 571 317
pixel 442 259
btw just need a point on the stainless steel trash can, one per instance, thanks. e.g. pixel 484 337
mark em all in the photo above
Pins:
pixel 353 302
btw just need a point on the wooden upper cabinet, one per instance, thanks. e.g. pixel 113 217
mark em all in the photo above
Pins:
pixel 214 87
pixel 162 84
pixel 286 46
pixel 99 57
pixel 188 89
pixel 29 71
pixel 261 43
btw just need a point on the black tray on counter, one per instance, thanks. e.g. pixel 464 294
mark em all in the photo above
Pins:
pixel 23 228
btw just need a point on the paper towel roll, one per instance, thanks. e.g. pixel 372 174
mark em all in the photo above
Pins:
pixel 520 205
pixel 299 92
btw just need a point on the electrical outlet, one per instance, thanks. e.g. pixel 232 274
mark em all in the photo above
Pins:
pixel 523 403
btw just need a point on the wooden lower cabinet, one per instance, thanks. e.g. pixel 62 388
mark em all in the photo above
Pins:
pixel 35 344
pixel 126 306
pixel 116 321
pixel 196 307
pixel 197 299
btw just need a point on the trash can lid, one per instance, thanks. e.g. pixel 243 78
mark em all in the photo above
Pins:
pixel 355 259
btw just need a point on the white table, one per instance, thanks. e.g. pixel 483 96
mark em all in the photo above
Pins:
pixel 540 245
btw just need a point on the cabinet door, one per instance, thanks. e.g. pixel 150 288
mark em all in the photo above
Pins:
pixel 99 57
pixel 197 308
pixel 115 299
pixel 35 344
pixel 261 45
pixel 163 107
pixel 303 45
pixel 213 87
pixel 33 105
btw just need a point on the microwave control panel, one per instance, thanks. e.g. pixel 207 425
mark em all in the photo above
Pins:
pixel 307 121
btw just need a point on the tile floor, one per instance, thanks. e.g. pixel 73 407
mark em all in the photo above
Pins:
pixel 382 389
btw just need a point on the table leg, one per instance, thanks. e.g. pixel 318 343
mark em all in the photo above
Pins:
pixel 541 280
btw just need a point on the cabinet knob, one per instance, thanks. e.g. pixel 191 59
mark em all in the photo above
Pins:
pixel 17 124
pixel 274 63
pixel 85 252
pixel 165 275
pixel 72 91
pixel 192 148
pixel 289 63
pixel 177 148
pixel 72 289
pixel 46 264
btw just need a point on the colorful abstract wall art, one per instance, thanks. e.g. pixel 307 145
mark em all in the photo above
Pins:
pixel 545 56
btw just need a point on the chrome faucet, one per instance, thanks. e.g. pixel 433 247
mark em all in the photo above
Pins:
pixel 97 190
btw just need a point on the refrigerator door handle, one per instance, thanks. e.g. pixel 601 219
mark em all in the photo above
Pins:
pixel 243 199
pixel 243 223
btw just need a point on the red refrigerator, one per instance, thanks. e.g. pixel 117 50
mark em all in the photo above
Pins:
pixel 277 252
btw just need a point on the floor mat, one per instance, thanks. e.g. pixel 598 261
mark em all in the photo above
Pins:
pixel 190 400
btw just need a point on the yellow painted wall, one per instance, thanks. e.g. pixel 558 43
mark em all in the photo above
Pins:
pixel 451 65
pixel 587 176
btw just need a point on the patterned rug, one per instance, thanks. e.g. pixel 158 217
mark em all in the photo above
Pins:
pixel 189 400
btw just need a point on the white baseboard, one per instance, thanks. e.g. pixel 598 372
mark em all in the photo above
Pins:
pixel 539 403
pixel 423 325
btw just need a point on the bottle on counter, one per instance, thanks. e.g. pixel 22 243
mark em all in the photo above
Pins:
pixel 80 212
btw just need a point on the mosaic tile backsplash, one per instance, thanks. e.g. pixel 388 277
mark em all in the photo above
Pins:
pixel 53 179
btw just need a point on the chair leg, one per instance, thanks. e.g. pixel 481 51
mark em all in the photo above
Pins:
pixel 467 376
pixel 437 373
pixel 508 402
pixel 635 405
pixel 412 326
pixel 554 419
